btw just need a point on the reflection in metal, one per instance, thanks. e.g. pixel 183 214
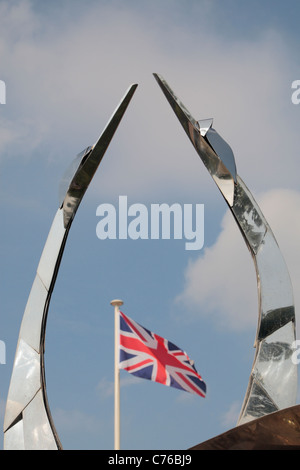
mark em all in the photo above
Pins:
pixel 28 423
pixel 273 381
pixel 276 431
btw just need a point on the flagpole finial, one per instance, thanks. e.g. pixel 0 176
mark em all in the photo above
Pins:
pixel 116 303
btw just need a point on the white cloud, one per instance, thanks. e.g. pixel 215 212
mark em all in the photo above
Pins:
pixel 106 387
pixel 76 421
pixel 218 283
pixel 222 282
pixel 229 419
pixel 64 81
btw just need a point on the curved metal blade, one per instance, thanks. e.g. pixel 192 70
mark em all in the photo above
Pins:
pixel 215 153
pixel 28 423
pixel 273 380
pixel 90 160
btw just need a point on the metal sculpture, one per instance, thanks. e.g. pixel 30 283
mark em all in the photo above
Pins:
pixel 272 387
pixel 273 379
pixel 28 423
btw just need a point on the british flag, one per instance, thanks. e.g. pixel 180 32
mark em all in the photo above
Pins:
pixel 147 355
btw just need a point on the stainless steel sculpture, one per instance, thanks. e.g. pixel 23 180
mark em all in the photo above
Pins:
pixel 28 423
pixel 273 380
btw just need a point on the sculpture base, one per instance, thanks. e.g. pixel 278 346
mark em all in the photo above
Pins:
pixel 276 431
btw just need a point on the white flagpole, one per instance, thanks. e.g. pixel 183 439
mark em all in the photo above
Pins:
pixel 117 304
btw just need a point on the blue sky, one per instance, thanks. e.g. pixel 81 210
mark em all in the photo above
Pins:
pixel 66 66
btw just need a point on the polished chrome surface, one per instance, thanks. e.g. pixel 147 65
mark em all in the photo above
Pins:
pixel 51 251
pixel 38 433
pixel 28 423
pixel 223 175
pixel 33 315
pixel 273 380
pixel 25 381
pixel 14 437
pixel 91 159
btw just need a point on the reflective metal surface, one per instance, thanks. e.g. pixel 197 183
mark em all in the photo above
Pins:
pixel 28 423
pixel 223 175
pixel 273 380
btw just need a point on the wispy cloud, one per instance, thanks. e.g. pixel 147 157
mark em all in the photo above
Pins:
pixel 70 86
pixel 75 420
pixel 229 419
pixel 222 282
pixel 106 387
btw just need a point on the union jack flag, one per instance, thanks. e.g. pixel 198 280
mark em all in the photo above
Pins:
pixel 147 355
